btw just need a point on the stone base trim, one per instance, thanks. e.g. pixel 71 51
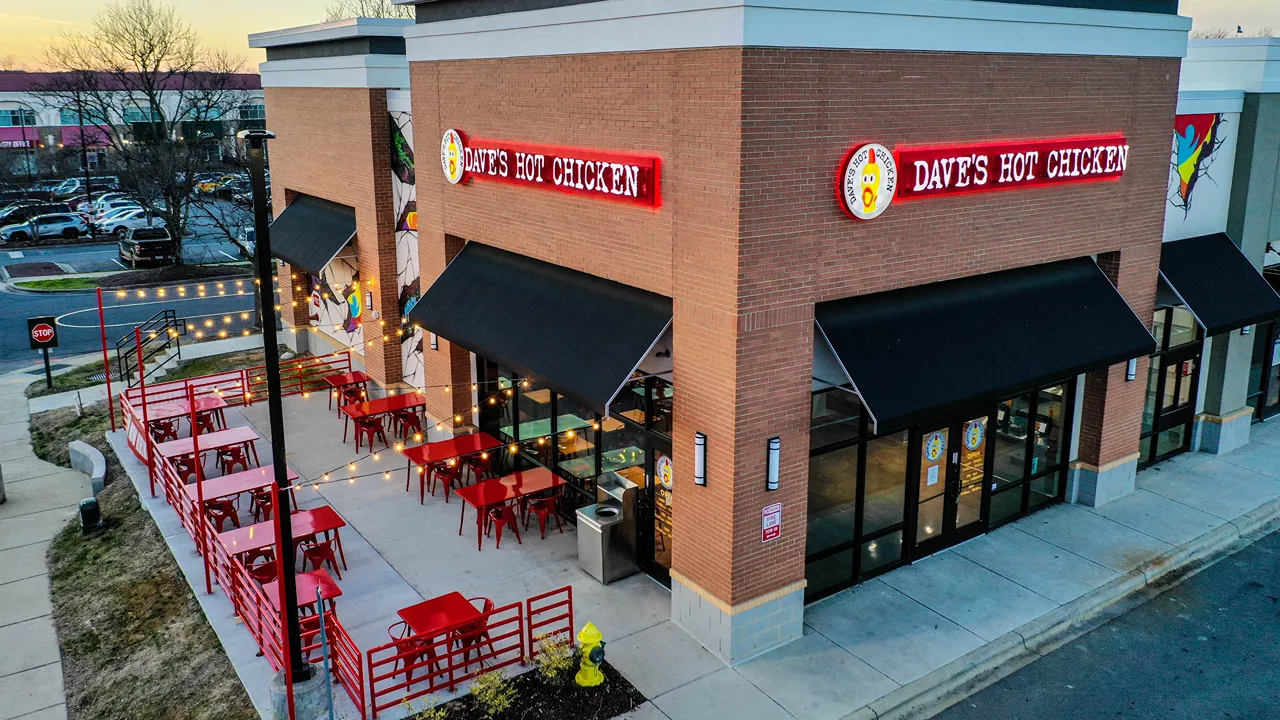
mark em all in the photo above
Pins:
pixel 739 632
pixel 1097 485
pixel 1218 435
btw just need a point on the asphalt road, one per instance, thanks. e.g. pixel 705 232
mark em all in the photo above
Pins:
pixel 77 315
pixel 1208 649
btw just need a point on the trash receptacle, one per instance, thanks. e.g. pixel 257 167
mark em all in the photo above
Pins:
pixel 604 541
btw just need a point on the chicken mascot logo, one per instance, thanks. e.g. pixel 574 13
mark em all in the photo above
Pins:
pixel 868 180
pixel 452 151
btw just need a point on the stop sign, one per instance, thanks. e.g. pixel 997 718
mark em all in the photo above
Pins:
pixel 43 332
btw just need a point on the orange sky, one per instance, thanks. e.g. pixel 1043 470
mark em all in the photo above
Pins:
pixel 226 22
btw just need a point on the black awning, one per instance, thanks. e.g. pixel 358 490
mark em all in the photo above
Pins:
pixel 1217 282
pixel 311 232
pixel 922 353
pixel 579 334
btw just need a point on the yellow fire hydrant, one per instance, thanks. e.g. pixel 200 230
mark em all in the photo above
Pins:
pixel 592 643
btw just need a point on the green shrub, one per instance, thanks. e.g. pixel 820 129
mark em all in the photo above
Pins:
pixel 555 660
pixel 493 692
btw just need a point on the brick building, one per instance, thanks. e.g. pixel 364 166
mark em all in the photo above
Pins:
pixel 834 289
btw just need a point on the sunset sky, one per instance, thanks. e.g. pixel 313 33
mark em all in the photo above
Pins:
pixel 227 22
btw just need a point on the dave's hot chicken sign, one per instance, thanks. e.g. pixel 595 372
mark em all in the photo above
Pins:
pixel 871 176
pixel 601 175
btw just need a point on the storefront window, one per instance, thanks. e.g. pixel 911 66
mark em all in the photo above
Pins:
pixel 1005 505
pixel 835 417
pixel 533 409
pixel 661 399
pixel 1183 329
pixel 629 403
pixel 886 487
pixel 622 449
pixel 1048 448
pixel 1013 419
pixel 833 499
pixel 575 438
pixel 881 552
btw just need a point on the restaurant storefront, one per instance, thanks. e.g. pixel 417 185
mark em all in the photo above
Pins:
pixel 625 278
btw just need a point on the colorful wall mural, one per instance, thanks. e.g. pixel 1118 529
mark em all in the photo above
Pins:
pixel 1201 165
pixel 336 301
pixel 404 195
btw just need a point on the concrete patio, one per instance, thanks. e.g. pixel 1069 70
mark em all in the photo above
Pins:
pixel 881 649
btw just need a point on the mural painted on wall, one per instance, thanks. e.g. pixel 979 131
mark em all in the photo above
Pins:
pixel 1196 142
pixel 336 301
pixel 404 195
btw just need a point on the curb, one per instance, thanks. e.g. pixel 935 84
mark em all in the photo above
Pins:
pixel 927 696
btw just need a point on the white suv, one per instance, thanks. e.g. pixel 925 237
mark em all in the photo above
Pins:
pixel 65 225
pixel 123 223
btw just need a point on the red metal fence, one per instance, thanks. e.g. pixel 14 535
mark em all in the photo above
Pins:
pixel 549 619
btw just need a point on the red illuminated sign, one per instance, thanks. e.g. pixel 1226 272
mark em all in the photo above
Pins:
pixel 604 175
pixel 930 172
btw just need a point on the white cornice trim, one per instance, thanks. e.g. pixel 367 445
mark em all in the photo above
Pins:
pixel 336 30
pixel 916 25
pixel 1248 64
pixel 344 71
pixel 1197 102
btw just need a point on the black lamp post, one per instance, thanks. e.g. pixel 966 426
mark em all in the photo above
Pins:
pixel 300 669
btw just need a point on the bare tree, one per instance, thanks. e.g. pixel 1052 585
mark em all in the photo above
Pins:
pixel 1219 33
pixel 142 81
pixel 343 9
pixel 8 62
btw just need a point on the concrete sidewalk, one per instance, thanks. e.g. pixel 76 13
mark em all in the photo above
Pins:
pixel 41 498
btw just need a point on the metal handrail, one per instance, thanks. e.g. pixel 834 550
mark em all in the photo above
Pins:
pixel 160 333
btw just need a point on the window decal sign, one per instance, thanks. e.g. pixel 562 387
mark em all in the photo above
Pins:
pixel 974 433
pixel 934 446
pixel 925 172
pixel 604 175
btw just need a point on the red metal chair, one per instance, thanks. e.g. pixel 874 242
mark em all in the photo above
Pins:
pixel 206 422
pixel 229 458
pixel 471 637
pixel 502 516
pixel 448 475
pixel 261 501
pixel 370 427
pixel 406 421
pixel 185 465
pixel 411 649
pixel 318 553
pixel 164 430
pixel 481 466
pixel 353 394
pixel 545 507
pixel 222 510
pixel 261 565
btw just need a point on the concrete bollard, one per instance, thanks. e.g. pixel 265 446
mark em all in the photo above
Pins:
pixel 310 699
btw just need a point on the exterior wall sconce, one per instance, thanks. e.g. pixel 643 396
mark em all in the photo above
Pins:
pixel 1131 370
pixel 771 470
pixel 699 459
pixel 1246 329
pixel 435 341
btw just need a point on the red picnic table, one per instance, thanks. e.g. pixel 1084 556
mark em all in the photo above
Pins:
pixel 490 493
pixel 380 406
pixel 305 523
pixel 181 408
pixel 342 381
pixel 305 589
pixel 236 483
pixel 212 442
pixel 438 617
pixel 429 455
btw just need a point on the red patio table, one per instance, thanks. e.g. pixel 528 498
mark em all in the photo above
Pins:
pixel 439 452
pixel 212 442
pixel 344 380
pixel 180 408
pixel 439 615
pixel 236 483
pixel 305 589
pixel 318 521
pixel 381 406
pixel 489 493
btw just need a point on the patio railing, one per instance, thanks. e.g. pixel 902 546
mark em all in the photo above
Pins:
pixel 549 619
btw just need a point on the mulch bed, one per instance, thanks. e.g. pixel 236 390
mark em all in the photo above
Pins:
pixel 536 700
pixel 173 274
pixel 34 269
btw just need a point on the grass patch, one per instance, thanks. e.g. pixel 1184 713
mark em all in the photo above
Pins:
pixel 80 377
pixel 148 276
pixel 77 379
pixel 53 429
pixel 71 283
pixel 135 644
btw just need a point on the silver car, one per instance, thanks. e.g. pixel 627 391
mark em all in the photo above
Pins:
pixel 64 225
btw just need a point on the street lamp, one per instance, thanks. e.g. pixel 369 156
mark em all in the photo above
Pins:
pixel 299 668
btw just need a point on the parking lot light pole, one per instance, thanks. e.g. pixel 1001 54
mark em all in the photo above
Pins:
pixel 299 668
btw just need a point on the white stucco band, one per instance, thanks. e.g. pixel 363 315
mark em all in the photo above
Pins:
pixel 918 25
pixel 1248 64
pixel 343 71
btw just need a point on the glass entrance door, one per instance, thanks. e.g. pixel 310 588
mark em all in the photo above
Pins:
pixel 953 477
pixel 655 512
pixel 1264 373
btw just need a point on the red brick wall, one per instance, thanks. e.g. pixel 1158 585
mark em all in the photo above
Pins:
pixel 745 261
pixel 333 143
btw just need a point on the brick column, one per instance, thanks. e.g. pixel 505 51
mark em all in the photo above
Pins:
pixel 376 251
pixel 1111 420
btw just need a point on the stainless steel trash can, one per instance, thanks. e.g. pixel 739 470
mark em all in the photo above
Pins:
pixel 605 541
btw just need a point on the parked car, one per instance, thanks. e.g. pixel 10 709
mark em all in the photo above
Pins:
pixel 247 240
pixel 230 188
pixel 76 185
pixel 102 212
pixel 104 198
pixel 66 225
pixel 124 222
pixel 147 244
pixel 21 212
pixel 210 186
